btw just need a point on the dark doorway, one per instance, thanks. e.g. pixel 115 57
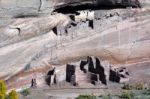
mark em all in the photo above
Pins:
pixel 91 24
pixel 70 71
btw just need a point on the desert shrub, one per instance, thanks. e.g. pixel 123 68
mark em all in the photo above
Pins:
pixel 26 92
pixel 13 94
pixel 127 87
pixel 86 97
pixel 127 95
pixel 139 86
pixel 107 97
pixel 146 92
pixel 3 88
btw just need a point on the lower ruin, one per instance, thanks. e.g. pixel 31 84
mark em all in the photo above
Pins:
pixel 89 71
pixel 119 75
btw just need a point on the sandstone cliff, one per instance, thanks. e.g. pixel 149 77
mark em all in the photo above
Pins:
pixel 27 41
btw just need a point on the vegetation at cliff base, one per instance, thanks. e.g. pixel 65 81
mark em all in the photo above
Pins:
pixel 13 94
pixel 86 97
pixel 127 95
pixel 26 92
pixel 3 89
pixel 138 86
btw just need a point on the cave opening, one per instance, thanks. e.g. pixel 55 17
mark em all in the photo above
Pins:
pixel 98 5
pixel 70 72
pixel 74 9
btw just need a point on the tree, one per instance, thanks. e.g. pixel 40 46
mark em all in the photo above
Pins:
pixel 3 88
pixel 13 94
pixel 2 96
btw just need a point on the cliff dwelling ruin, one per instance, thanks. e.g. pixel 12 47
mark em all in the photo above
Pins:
pixel 89 71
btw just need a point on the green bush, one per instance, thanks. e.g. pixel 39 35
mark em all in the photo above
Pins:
pixel 26 92
pixel 107 97
pixel 86 97
pixel 139 86
pixel 127 95
pixel 7 97
pixel 146 92
pixel 13 94
pixel 127 87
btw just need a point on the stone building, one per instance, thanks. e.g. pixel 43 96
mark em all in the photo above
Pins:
pixel 92 70
pixel 120 75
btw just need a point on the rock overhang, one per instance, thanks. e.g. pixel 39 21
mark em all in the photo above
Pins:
pixel 11 8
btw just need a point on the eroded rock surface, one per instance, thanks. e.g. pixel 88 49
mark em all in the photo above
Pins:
pixel 22 35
